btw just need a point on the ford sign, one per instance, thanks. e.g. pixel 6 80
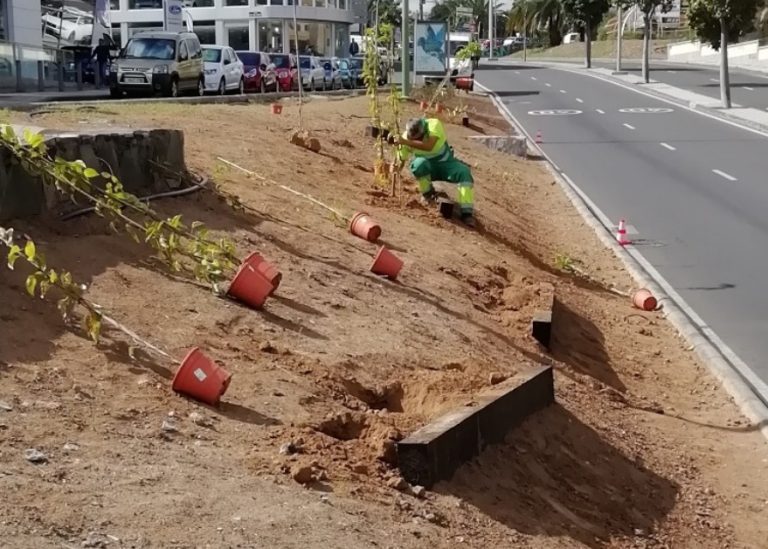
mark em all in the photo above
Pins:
pixel 174 9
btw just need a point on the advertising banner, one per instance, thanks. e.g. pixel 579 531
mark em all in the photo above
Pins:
pixel 430 54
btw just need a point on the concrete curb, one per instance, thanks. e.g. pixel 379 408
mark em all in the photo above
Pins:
pixel 204 100
pixel 746 389
pixel 434 452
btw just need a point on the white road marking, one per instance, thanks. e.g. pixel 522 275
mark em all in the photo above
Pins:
pixel 548 85
pixel 748 88
pixel 672 72
pixel 563 91
pixel 603 112
pixel 579 100
pixel 517 72
pixel 534 78
pixel 714 80
pixel 628 126
pixel 724 175
pixel 668 146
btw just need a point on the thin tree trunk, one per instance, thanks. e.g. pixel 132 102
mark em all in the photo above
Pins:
pixel 725 84
pixel 588 44
pixel 646 47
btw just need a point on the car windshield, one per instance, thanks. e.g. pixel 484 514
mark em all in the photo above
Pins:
pixel 455 47
pixel 343 64
pixel 249 58
pixel 304 62
pixel 150 48
pixel 355 63
pixel 281 61
pixel 211 55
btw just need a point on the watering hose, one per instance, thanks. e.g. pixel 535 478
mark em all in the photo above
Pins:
pixel 178 192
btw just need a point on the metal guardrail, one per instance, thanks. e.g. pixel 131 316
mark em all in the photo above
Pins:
pixel 28 68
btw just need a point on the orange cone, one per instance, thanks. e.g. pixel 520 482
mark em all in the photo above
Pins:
pixel 621 234
pixel 538 138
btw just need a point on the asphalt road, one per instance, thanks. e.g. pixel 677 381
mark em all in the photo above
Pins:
pixel 693 187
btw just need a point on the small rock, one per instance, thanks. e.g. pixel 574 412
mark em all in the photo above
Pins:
pixel 94 539
pixel 398 483
pixel 639 532
pixel 497 378
pixel 278 393
pixel 199 419
pixel 143 381
pixel 325 499
pixel 33 455
pixel 419 491
pixel 267 347
pixel 71 447
pixel 169 427
pixel 360 468
pixel 5 407
pixel 302 474
pixel 288 449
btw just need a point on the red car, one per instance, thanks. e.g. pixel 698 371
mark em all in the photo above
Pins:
pixel 258 71
pixel 286 69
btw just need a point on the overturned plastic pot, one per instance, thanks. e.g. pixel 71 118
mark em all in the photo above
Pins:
pixel 277 108
pixel 643 299
pixel 201 378
pixel 250 285
pixel 386 264
pixel 267 269
pixel 364 226
pixel 423 105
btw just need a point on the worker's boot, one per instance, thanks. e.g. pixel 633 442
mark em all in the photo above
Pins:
pixel 429 198
pixel 468 219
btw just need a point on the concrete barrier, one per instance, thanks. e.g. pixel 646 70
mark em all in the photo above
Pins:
pixel 510 144
pixel 132 156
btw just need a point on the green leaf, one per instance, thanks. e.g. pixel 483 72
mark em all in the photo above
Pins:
pixel 14 253
pixel 53 276
pixel 31 284
pixel 90 173
pixel 93 326
pixel 44 287
pixel 29 250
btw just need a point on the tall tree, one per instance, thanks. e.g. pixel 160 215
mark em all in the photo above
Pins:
pixel 588 13
pixel 389 12
pixel 719 22
pixel 531 15
pixel 648 8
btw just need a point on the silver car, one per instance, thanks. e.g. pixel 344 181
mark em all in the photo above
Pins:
pixel 165 63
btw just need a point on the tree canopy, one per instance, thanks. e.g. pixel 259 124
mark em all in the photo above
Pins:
pixel 704 18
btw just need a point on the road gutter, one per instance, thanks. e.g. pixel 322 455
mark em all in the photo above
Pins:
pixel 748 391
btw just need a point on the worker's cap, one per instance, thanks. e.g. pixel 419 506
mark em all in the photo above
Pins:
pixel 416 128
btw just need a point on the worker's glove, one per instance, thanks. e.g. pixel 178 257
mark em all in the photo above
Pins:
pixel 392 139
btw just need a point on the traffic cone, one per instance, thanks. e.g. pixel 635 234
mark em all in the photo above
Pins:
pixel 538 137
pixel 621 234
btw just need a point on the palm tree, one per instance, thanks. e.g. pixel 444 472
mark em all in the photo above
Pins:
pixel 534 15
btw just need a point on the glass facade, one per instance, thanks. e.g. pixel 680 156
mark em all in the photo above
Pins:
pixel 236 2
pixel 270 35
pixel 238 37
pixel 3 19
pixel 314 37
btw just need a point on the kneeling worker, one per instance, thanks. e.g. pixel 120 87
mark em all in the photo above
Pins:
pixel 434 161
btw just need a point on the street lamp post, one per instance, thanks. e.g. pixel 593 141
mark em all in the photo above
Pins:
pixel 490 30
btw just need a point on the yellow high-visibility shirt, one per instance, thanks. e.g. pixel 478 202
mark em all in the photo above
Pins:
pixel 434 127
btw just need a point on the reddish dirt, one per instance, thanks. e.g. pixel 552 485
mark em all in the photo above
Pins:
pixel 642 449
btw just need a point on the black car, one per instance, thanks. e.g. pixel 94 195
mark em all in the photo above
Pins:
pixel 383 70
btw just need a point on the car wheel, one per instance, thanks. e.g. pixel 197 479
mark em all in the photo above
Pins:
pixel 325 86
pixel 222 87
pixel 241 87
pixel 262 86
pixel 174 90
pixel 115 93
pixel 200 87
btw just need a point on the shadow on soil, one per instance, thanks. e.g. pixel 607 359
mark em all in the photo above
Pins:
pixel 556 476
pixel 577 342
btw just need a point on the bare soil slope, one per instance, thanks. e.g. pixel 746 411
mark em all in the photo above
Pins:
pixel 641 450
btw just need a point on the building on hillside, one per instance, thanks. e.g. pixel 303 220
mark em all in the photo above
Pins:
pixel 264 25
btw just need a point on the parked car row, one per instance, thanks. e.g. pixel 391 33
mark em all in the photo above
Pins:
pixel 170 64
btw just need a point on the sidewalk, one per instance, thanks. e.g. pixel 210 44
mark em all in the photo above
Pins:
pixel 16 100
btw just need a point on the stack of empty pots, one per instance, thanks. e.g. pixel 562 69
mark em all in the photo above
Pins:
pixel 255 281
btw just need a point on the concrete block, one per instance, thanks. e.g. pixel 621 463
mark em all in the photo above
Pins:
pixel 437 450
pixel 541 324
pixel 510 144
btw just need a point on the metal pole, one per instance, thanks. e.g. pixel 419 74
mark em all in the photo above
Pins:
pixel 619 29
pixel 40 76
pixel 405 37
pixel 490 30
pixel 525 36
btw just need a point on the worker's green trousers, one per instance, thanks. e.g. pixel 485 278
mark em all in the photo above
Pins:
pixel 445 168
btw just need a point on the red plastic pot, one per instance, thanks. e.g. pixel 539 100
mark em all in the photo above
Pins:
pixel 386 264
pixel 423 105
pixel 267 269
pixel 250 286
pixel 643 299
pixel 277 108
pixel 201 378
pixel 363 226
pixel 439 107
pixel 465 83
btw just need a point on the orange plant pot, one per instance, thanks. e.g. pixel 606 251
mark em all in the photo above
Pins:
pixel 250 286
pixel 386 264
pixel 439 108
pixel 277 108
pixel 643 299
pixel 363 226
pixel 201 378
pixel 465 83
pixel 267 269
pixel 423 105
